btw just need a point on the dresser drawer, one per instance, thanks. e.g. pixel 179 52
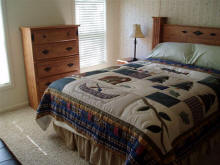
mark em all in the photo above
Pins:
pixel 45 82
pixel 55 67
pixel 54 35
pixel 55 50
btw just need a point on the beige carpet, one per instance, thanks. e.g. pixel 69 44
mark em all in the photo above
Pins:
pixel 32 146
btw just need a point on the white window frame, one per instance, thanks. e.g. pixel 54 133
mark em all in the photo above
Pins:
pixel 7 42
pixel 105 33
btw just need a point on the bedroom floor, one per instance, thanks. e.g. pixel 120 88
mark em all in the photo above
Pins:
pixel 32 146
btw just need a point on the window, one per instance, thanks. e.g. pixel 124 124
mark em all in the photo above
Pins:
pixel 4 72
pixel 90 15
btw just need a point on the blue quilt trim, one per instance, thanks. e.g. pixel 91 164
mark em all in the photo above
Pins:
pixel 187 66
pixel 94 72
pixel 133 65
pixel 60 84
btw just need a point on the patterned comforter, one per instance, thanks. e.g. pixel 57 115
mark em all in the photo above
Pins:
pixel 150 113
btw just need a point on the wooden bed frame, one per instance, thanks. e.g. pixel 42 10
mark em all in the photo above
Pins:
pixel 163 32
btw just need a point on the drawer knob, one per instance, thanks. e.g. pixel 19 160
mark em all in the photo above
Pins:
pixel 69 48
pixel 48 83
pixel 47 69
pixel 44 36
pixel 45 51
pixel 213 34
pixel 70 64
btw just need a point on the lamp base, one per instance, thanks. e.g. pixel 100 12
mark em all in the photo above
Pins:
pixel 134 59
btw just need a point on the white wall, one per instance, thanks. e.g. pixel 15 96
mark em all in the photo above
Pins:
pixel 136 12
pixel 188 12
pixel 113 30
pixel 42 13
pixel 28 13
pixel 192 12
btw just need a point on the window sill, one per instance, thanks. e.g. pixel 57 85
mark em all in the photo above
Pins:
pixel 6 86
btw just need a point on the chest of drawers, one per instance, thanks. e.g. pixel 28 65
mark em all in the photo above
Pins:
pixel 50 53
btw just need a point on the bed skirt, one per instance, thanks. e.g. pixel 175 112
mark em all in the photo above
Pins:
pixel 97 155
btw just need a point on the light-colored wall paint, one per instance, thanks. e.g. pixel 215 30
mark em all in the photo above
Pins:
pixel 113 30
pixel 28 13
pixel 43 13
pixel 188 12
pixel 192 12
pixel 136 12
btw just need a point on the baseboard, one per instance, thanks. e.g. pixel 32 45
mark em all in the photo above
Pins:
pixel 13 107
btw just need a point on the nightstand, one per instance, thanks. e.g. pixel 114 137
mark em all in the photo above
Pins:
pixel 124 60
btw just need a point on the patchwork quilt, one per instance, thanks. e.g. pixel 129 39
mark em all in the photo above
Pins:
pixel 147 112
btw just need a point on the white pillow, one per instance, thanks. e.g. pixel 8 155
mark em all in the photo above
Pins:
pixel 174 51
pixel 207 56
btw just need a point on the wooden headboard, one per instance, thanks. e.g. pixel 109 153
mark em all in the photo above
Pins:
pixel 163 32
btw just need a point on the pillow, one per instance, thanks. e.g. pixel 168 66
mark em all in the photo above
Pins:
pixel 174 51
pixel 207 56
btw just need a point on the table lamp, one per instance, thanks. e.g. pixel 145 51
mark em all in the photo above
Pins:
pixel 137 33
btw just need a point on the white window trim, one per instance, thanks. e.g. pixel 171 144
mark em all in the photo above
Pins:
pixel 105 28
pixel 8 48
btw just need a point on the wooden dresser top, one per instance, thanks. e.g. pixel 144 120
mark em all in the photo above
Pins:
pixel 48 27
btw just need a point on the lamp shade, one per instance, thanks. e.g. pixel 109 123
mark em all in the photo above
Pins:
pixel 137 33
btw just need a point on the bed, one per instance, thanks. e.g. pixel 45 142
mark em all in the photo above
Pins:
pixel 154 111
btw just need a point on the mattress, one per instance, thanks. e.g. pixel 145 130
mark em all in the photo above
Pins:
pixel 149 112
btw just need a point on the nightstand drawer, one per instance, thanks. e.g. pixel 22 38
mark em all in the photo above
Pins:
pixel 53 50
pixel 54 35
pixel 45 82
pixel 55 67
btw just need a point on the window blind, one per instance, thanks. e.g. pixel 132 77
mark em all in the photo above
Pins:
pixel 90 15
pixel 4 72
